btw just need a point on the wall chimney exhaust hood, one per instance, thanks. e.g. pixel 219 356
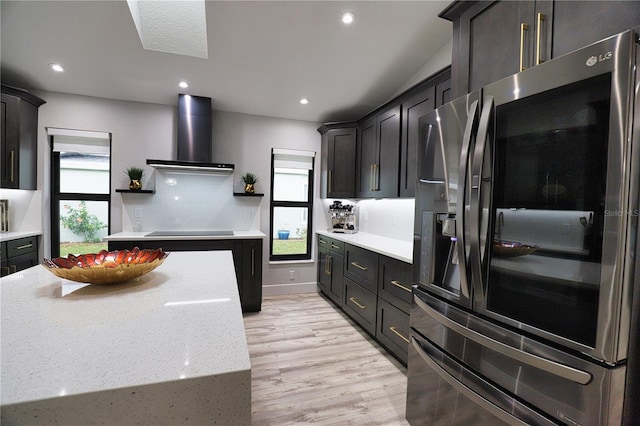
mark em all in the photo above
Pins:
pixel 194 139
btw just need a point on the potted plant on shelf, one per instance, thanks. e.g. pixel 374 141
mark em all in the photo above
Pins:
pixel 135 178
pixel 249 180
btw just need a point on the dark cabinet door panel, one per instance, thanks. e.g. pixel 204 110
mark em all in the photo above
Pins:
pixel 361 305
pixel 578 24
pixel 394 282
pixel 386 169
pixel 393 329
pixel 361 266
pixel 412 109
pixel 366 158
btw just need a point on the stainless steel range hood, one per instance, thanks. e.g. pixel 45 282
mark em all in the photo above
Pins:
pixel 194 139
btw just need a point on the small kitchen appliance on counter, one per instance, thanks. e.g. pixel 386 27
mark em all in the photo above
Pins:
pixel 343 218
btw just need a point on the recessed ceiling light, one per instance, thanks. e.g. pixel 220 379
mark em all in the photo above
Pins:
pixel 348 17
pixel 56 67
pixel 304 101
pixel 183 84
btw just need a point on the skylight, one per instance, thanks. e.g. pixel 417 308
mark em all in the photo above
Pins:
pixel 178 27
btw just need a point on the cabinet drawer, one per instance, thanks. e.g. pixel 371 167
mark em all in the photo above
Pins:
pixel 360 304
pixel 331 244
pixel 361 266
pixel 3 250
pixel 393 329
pixel 22 246
pixel 395 282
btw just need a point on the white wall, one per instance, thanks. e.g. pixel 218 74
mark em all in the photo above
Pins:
pixel 141 130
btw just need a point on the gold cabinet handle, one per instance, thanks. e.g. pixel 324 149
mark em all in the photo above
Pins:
pixel 326 264
pixel 397 333
pixel 330 263
pixel 335 246
pixel 398 284
pixel 376 177
pixel 7 270
pixel 355 301
pixel 321 241
pixel 14 269
pixel 24 246
pixel 12 158
pixel 541 18
pixel 523 28
pixel 330 190
pixel 371 187
pixel 357 265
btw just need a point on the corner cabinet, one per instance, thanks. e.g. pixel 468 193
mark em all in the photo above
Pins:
pixel 493 40
pixel 373 289
pixel 247 259
pixel 338 160
pixel 378 155
pixel 19 139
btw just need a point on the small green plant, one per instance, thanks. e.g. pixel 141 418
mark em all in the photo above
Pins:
pixel 135 173
pixel 250 178
pixel 81 222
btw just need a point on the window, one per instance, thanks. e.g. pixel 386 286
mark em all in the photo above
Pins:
pixel 291 204
pixel 80 191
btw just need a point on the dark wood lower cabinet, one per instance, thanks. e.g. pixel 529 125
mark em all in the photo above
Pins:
pixel 376 291
pixel 361 305
pixel 19 254
pixel 247 259
pixel 393 329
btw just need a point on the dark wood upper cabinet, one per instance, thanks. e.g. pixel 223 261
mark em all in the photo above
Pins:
pixel 493 40
pixel 338 162
pixel 414 107
pixel 19 139
pixel 378 154
pixel 578 25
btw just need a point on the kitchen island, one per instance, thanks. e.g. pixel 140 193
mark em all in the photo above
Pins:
pixel 166 348
pixel 246 247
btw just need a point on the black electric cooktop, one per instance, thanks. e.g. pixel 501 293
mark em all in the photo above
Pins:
pixel 205 233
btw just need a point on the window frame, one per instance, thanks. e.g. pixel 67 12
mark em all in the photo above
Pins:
pixel 57 196
pixel 300 204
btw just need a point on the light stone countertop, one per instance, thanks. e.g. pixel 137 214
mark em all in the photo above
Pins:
pixel 397 249
pixel 14 235
pixel 166 348
pixel 237 235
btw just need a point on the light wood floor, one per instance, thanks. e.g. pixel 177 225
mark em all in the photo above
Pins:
pixel 310 364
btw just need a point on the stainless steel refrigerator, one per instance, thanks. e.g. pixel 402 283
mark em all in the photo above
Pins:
pixel 525 242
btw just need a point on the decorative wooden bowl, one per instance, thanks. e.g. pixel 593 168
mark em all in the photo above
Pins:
pixel 106 267
pixel 512 249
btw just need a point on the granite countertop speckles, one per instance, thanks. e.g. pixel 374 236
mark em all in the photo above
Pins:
pixel 70 343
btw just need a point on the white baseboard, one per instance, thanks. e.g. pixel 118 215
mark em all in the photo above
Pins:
pixel 279 289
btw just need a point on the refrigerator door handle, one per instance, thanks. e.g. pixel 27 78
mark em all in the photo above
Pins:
pixel 460 387
pixel 561 370
pixel 477 171
pixel 469 131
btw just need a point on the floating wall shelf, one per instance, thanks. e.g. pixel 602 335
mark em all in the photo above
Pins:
pixel 244 194
pixel 137 191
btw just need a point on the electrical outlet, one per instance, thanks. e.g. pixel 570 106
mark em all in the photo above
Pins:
pixel 366 216
pixel 247 214
pixel 292 275
pixel 394 219
pixel 137 212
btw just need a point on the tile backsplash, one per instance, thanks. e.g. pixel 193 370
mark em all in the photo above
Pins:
pixel 190 201
pixel 391 218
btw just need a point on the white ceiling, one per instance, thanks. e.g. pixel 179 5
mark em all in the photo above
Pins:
pixel 263 55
